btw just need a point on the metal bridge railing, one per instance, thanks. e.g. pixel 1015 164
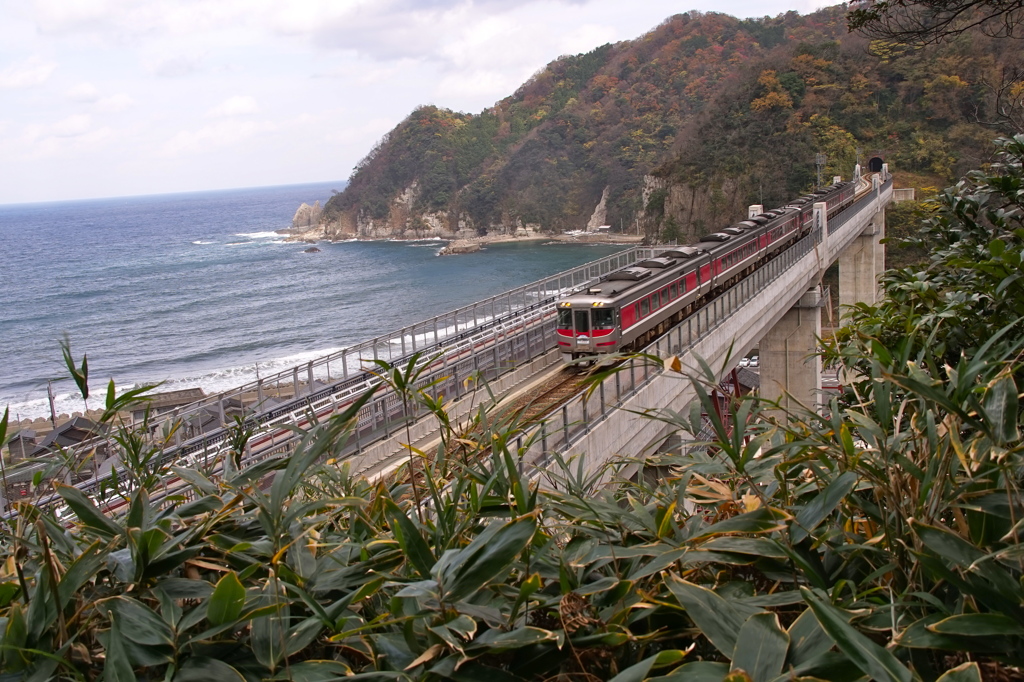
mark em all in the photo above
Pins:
pixel 425 336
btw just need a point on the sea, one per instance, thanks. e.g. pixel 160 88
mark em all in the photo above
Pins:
pixel 199 289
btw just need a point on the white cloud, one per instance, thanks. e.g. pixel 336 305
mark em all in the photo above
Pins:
pixel 239 105
pixel 87 93
pixel 365 73
pixel 367 133
pixel 216 135
pixel 115 103
pixel 26 74
pixel 176 66
pixel 72 126
pixel 60 140
pixel 587 37
pixel 84 92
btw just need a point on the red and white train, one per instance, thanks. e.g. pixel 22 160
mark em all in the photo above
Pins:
pixel 628 308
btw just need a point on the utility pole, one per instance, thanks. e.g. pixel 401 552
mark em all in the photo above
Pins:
pixel 819 161
pixel 53 409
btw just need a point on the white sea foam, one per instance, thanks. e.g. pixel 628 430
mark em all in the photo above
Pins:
pixel 212 382
pixel 203 242
pixel 64 403
pixel 427 338
pixel 227 379
pixel 258 235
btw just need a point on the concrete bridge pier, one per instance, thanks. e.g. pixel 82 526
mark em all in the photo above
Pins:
pixel 862 262
pixel 790 366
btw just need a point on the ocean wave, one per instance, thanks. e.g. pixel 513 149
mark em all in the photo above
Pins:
pixel 212 382
pixel 230 378
pixel 202 242
pixel 258 235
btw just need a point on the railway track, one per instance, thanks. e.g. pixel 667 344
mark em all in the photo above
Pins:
pixel 551 393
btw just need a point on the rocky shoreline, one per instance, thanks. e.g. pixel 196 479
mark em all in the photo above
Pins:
pixel 465 245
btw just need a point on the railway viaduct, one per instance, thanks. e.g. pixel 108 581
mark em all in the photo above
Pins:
pixel 780 310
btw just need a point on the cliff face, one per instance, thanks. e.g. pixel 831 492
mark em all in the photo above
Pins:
pixel 676 132
pixel 402 220
pixel 307 216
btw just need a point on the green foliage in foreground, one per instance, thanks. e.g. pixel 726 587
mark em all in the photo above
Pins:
pixel 881 541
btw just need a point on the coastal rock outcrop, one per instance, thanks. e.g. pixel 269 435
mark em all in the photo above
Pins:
pixel 307 216
pixel 403 220
pixel 460 246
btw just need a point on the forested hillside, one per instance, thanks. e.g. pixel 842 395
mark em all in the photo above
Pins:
pixel 680 129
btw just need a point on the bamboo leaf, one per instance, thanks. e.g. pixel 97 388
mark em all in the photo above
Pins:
pixel 823 504
pixel 720 620
pixel 87 512
pixel 495 641
pixel 269 630
pixel 227 600
pixel 696 671
pixel 116 668
pixel 807 639
pixel 484 559
pixel 1001 408
pixel 869 657
pixel 409 538
pixel 202 669
pixel 81 570
pixel 638 672
pixel 314 671
pixel 965 672
pixel 763 520
pixel 761 647
pixel 138 622
pixel 978 625
pixel 759 547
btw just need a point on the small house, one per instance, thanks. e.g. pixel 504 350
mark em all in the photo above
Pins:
pixel 162 403
pixel 21 444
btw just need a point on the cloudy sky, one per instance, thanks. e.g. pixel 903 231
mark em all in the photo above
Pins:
pixel 106 98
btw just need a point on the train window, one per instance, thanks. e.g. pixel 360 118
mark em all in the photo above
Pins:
pixel 645 308
pixel 604 318
pixel 654 301
pixel 564 318
pixel 582 318
pixel 675 291
pixel 664 296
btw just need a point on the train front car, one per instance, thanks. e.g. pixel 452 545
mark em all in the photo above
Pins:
pixel 588 324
